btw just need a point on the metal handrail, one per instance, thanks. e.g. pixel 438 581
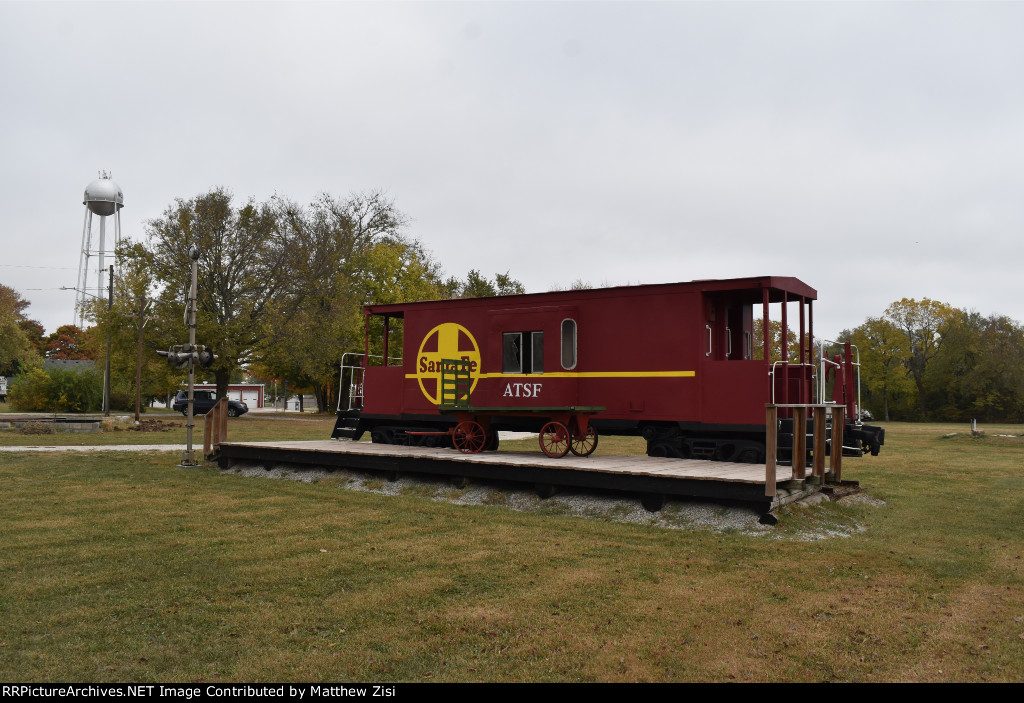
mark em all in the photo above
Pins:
pixel 355 388
pixel 771 375
pixel 859 420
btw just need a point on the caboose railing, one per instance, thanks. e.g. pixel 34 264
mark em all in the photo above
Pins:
pixel 354 369
pixel 772 372
pixel 824 344
pixel 800 439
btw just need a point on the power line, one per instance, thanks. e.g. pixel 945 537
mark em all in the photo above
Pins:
pixel 62 268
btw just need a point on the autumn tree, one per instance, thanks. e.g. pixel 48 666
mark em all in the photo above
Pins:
pixel 774 341
pixel 70 342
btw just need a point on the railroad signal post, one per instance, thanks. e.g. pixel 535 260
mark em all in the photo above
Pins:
pixel 182 356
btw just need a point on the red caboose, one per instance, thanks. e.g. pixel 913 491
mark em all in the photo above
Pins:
pixel 681 364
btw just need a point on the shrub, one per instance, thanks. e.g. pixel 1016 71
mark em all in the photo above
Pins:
pixel 57 390
pixel 38 428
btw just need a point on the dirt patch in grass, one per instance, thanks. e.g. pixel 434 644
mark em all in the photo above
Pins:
pixel 150 426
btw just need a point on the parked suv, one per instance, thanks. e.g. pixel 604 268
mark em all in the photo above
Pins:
pixel 202 401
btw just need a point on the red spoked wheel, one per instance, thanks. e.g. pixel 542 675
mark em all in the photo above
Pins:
pixel 554 440
pixel 469 437
pixel 586 445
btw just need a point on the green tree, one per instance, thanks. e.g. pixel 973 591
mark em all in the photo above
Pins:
pixel 476 285
pixel 882 349
pixel 921 323
pixel 346 252
pixel 991 387
pixel 15 345
pixel 243 267
pixel 134 305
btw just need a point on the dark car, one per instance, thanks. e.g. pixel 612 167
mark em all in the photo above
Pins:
pixel 202 401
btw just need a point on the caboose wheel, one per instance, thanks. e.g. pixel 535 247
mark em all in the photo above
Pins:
pixel 469 437
pixel 492 441
pixel 554 440
pixel 585 446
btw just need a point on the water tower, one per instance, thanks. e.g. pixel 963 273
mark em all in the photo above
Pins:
pixel 104 199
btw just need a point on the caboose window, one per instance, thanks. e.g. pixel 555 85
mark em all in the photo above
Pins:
pixel 522 352
pixel 568 344
pixel 512 352
pixel 537 352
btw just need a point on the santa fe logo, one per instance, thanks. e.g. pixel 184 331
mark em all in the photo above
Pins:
pixel 446 341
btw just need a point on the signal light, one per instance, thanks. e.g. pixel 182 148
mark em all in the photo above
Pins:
pixel 206 357
pixel 177 358
pixel 183 356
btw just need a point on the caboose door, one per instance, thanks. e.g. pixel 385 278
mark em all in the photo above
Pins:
pixel 733 383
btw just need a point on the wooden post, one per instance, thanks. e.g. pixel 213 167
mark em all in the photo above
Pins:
pixel 771 439
pixel 838 426
pixel 799 442
pixel 222 436
pixel 819 442
pixel 208 433
pixel 215 428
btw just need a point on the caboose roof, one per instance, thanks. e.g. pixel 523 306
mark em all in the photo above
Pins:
pixel 777 287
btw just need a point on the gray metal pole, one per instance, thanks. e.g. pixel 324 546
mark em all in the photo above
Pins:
pixel 106 369
pixel 138 362
pixel 189 458
pixel 83 269
pixel 103 243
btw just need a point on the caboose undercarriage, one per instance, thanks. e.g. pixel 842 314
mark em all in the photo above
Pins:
pixel 678 440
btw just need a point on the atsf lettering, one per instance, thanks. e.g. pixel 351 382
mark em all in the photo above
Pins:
pixel 522 390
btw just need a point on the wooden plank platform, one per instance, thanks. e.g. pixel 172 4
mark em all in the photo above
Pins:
pixel 632 465
pixel 639 474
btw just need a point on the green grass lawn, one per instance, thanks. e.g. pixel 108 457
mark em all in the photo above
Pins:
pixel 119 567
pixel 250 427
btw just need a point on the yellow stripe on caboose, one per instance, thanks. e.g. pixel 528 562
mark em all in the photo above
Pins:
pixel 585 374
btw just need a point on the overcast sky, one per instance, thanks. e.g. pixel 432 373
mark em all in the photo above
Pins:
pixel 874 150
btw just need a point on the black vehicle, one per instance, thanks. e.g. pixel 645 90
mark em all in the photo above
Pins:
pixel 202 401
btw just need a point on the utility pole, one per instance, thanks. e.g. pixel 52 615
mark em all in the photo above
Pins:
pixel 138 362
pixel 188 459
